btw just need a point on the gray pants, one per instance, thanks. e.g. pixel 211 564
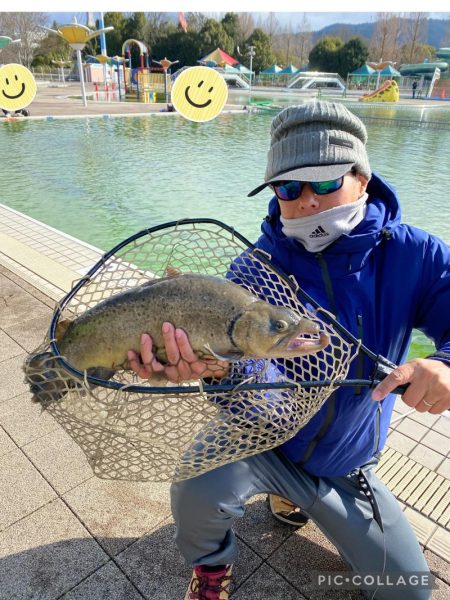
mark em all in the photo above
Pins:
pixel 205 507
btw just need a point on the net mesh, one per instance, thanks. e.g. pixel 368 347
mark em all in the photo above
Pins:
pixel 162 435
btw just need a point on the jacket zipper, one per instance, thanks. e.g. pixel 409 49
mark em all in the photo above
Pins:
pixel 360 360
pixel 327 282
pixel 329 415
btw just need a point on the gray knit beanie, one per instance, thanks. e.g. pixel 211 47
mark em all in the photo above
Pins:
pixel 316 141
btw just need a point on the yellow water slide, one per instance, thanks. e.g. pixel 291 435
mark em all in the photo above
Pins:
pixel 388 92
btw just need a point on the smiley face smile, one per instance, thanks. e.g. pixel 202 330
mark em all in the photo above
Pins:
pixel 17 87
pixel 199 94
pixel 191 102
pixel 22 91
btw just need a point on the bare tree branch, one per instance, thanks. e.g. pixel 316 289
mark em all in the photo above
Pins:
pixel 26 27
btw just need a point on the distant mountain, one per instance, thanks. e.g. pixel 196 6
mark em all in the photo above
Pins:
pixel 346 31
pixel 438 33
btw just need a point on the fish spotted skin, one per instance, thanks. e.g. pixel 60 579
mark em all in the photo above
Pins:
pixel 221 319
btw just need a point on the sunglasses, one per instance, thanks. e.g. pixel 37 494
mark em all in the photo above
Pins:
pixel 291 190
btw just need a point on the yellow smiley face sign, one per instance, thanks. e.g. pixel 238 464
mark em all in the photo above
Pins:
pixel 199 93
pixel 17 87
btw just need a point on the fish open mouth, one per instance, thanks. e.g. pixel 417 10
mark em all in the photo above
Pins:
pixel 309 344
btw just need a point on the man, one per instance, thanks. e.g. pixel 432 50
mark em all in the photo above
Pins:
pixel 336 228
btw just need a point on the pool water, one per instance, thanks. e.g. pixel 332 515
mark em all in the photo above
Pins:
pixel 103 179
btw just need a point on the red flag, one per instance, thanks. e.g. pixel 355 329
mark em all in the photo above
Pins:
pixel 182 21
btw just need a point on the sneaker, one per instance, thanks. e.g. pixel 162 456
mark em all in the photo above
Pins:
pixel 210 585
pixel 286 511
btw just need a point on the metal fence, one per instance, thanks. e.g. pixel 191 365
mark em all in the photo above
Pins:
pixel 55 75
pixel 406 122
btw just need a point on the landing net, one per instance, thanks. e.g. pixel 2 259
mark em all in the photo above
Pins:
pixel 130 429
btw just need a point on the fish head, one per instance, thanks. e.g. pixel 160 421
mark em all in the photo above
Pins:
pixel 268 331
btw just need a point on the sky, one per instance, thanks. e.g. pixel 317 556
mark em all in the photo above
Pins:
pixel 318 20
pixel 325 15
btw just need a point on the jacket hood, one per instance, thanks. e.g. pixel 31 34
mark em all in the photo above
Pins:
pixel 382 216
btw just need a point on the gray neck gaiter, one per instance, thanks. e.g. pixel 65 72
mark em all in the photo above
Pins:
pixel 319 231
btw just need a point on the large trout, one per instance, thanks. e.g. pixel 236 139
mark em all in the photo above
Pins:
pixel 221 318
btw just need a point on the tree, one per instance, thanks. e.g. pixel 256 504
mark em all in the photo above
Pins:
pixel 271 26
pixel 332 55
pixel 50 48
pixel 264 56
pixel 25 26
pixel 116 37
pixel 178 45
pixel 195 21
pixel 136 27
pixel 385 41
pixel 421 52
pixel 213 35
pixel 416 32
pixel 246 27
pixel 283 45
pixel 324 57
pixel 303 41
pixel 351 56
pixel 157 26
pixel 230 23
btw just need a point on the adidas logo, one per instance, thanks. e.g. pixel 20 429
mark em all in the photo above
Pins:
pixel 319 232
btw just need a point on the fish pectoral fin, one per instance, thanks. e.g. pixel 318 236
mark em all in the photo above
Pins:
pixel 232 356
pixel 101 372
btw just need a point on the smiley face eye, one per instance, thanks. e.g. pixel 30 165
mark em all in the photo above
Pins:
pixel 200 84
pixel 210 89
pixel 17 79
pixel 7 81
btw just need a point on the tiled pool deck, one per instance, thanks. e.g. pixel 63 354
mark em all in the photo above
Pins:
pixel 66 534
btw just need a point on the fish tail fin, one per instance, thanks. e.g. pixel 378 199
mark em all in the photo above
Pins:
pixel 44 379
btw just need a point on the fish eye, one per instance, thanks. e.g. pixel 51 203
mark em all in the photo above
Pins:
pixel 281 325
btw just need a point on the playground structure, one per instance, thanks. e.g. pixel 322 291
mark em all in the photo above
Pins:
pixel 77 36
pixel 123 81
pixel 146 83
pixel 152 85
pixel 6 41
pixel 388 92
pixel 143 52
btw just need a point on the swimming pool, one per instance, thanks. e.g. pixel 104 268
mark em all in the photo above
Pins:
pixel 103 179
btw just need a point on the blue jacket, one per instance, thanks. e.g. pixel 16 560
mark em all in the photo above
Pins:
pixel 381 280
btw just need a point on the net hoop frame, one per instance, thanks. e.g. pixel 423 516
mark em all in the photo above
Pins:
pixel 382 365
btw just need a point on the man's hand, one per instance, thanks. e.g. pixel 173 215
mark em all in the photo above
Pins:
pixel 183 363
pixel 429 389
